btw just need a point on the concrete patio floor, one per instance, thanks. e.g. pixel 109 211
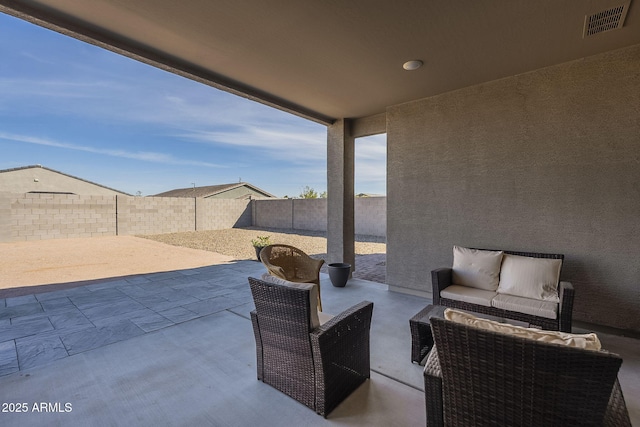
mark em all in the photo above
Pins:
pixel 177 348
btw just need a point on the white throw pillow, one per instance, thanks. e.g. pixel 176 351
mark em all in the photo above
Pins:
pixel 529 277
pixel 586 341
pixel 476 268
pixel 314 321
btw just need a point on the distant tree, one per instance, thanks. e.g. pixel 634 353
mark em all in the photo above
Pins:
pixel 308 193
pixel 323 195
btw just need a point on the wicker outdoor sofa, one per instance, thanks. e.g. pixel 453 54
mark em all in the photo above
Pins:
pixel 318 364
pixel 477 377
pixel 556 315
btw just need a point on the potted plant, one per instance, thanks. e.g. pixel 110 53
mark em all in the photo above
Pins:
pixel 259 243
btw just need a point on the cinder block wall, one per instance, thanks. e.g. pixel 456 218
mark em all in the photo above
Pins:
pixel 311 214
pixel 218 214
pixel 273 213
pixel 47 216
pixel 155 215
pixel 5 217
pixel 371 216
pixel 56 216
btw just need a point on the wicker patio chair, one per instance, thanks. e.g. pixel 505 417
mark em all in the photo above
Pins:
pixel 475 377
pixel 292 264
pixel 319 366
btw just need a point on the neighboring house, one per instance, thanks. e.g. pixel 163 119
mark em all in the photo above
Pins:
pixel 38 179
pixel 241 190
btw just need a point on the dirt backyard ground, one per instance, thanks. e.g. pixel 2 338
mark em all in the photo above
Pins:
pixel 47 265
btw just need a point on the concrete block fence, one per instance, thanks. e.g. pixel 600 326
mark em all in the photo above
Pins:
pixel 311 214
pixel 38 216
pixel 55 216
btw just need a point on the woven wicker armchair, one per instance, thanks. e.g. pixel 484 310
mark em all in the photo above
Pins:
pixel 319 366
pixel 484 378
pixel 292 264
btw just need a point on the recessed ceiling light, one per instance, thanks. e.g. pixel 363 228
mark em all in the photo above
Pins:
pixel 412 65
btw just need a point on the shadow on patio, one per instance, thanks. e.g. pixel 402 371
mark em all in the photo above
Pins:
pixel 177 348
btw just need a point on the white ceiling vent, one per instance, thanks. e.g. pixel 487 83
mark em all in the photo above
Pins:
pixel 607 20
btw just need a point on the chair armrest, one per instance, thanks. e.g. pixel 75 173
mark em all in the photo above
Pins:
pixel 344 329
pixel 433 390
pixel 341 354
pixel 317 264
pixel 258 337
pixel 617 414
pixel 440 279
pixel 565 307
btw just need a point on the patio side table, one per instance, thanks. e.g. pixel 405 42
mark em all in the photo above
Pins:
pixel 421 337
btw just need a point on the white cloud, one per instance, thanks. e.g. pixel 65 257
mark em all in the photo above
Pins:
pixel 146 156
pixel 288 144
pixel 20 89
pixel 174 107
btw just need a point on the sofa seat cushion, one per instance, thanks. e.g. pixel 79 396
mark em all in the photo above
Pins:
pixel 476 268
pixel 324 317
pixel 314 320
pixel 530 277
pixel 467 294
pixel 585 341
pixel 534 307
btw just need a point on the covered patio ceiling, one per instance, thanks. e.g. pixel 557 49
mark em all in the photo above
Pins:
pixel 326 60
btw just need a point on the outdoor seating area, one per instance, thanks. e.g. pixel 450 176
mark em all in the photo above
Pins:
pixel 201 367
pixel 523 286
pixel 507 127
pixel 481 372
pixel 317 363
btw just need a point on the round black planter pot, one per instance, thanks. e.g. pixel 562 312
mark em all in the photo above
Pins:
pixel 339 274
pixel 258 250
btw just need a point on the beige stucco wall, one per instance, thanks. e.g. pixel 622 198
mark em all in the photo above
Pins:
pixel 547 161
pixel 43 180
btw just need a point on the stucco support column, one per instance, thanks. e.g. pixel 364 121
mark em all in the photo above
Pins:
pixel 340 193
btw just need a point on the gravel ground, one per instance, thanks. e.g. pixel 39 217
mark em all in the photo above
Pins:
pixel 236 242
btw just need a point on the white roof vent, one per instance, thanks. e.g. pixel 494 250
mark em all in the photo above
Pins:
pixel 607 20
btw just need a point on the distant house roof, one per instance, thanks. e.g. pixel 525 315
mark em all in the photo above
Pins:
pixel 369 195
pixel 217 190
pixel 63 174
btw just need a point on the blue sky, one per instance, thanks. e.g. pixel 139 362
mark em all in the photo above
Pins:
pixel 87 112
